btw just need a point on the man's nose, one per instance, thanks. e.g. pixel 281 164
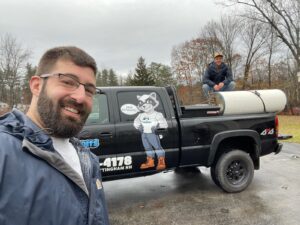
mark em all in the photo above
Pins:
pixel 79 94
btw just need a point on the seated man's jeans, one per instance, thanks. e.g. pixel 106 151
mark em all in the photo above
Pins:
pixel 206 88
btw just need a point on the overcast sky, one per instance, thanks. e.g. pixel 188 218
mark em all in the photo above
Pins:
pixel 115 32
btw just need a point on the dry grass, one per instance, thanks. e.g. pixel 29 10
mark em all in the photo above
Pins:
pixel 290 125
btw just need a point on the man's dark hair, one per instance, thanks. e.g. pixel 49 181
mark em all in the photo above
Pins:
pixel 71 53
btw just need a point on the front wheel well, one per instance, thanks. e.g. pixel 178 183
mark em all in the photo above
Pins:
pixel 244 143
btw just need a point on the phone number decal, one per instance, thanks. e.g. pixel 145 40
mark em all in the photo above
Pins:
pixel 116 164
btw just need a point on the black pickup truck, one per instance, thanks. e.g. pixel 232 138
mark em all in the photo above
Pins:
pixel 138 131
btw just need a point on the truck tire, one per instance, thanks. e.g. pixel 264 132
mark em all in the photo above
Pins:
pixel 234 171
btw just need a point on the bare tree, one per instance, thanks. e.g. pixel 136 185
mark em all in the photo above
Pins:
pixel 259 73
pixel 182 65
pixel 283 17
pixel 272 45
pixel 225 32
pixel 209 32
pixel 12 60
pixel 190 59
pixel 228 30
pixel 253 39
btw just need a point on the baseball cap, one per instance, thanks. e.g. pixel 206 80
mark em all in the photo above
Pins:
pixel 218 54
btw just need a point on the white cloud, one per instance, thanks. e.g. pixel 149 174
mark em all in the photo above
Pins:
pixel 115 32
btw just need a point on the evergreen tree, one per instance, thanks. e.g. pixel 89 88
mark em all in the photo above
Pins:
pixel 162 74
pixel 30 71
pixel 105 77
pixel 99 79
pixel 3 92
pixel 142 77
pixel 121 80
pixel 112 78
pixel 128 79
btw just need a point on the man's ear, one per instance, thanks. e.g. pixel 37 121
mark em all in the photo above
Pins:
pixel 36 85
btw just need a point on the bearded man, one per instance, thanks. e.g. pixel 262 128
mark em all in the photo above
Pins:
pixel 46 176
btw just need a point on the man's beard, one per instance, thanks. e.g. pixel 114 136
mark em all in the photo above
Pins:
pixel 51 115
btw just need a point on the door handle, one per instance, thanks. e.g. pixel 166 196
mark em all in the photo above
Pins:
pixel 84 134
pixel 106 134
pixel 161 129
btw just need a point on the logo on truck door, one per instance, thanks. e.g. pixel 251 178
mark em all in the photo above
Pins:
pixel 147 122
pixel 90 143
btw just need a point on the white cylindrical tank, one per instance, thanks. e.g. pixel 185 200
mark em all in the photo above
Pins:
pixel 253 101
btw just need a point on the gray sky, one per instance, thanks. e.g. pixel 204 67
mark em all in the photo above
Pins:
pixel 115 32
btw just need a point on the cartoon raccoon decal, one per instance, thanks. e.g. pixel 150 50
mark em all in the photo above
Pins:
pixel 147 122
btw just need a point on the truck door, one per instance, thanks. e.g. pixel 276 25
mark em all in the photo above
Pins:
pixel 145 128
pixel 99 131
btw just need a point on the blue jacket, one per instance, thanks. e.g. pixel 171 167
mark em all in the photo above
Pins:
pixel 38 187
pixel 213 75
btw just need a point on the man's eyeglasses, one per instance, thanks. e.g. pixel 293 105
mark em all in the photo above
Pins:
pixel 70 82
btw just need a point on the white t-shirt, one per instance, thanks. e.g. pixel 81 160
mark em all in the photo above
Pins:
pixel 149 120
pixel 68 152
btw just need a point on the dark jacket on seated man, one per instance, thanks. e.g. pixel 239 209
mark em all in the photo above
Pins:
pixel 217 77
pixel 214 75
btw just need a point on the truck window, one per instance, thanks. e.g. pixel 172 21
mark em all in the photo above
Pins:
pixel 131 99
pixel 99 114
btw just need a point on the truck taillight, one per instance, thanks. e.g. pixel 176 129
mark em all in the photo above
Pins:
pixel 276 125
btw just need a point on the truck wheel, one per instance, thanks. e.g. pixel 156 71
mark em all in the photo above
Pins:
pixel 234 171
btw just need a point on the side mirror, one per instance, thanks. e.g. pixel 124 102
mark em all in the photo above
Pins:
pixel 99 91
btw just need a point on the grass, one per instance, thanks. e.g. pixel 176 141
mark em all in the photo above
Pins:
pixel 290 125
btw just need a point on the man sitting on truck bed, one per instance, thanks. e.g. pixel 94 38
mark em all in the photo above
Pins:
pixel 217 77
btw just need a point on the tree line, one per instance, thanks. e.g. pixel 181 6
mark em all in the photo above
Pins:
pixel 156 74
pixel 260 41
pixel 15 73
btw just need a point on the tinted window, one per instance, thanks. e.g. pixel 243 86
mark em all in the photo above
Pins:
pixel 99 114
pixel 130 103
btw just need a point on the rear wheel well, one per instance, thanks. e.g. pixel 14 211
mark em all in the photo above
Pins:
pixel 244 143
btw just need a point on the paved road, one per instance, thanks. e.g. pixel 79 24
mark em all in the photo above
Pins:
pixel 192 198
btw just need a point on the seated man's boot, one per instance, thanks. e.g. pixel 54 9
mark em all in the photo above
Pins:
pixel 161 165
pixel 148 164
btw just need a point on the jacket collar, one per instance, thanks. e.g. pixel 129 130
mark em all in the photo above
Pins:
pixel 34 139
pixel 21 126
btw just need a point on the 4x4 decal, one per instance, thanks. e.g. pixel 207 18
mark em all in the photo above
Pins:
pixel 267 131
